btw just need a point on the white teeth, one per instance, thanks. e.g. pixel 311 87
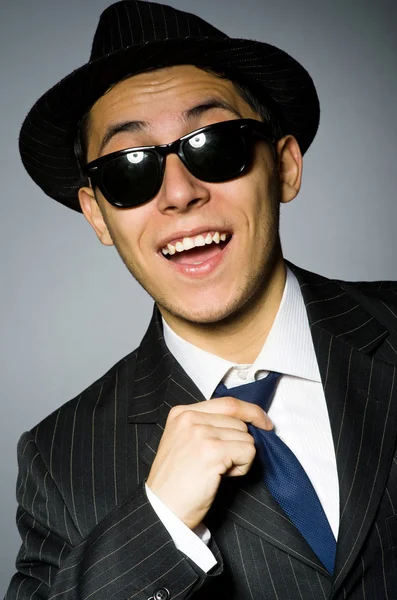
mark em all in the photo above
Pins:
pixel 199 241
pixel 188 243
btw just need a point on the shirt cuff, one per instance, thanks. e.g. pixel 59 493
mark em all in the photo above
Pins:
pixel 193 543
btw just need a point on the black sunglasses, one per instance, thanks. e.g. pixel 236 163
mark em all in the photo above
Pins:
pixel 214 154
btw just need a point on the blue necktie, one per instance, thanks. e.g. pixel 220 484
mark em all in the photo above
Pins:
pixel 283 474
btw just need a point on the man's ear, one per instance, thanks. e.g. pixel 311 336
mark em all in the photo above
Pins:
pixel 289 167
pixel 93 214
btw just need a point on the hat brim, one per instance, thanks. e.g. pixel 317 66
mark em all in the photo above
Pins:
pixel 48 133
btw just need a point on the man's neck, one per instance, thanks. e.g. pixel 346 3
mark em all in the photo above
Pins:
pixel 239 338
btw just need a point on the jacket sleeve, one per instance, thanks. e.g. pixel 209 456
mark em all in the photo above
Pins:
pixel 129 554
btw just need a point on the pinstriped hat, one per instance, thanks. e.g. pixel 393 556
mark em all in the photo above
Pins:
pixel 134 35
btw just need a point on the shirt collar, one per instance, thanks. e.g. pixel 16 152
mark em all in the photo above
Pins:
pixel 288 348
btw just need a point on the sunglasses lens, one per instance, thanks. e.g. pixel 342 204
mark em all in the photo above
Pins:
pixel 131 179
pixel 216 155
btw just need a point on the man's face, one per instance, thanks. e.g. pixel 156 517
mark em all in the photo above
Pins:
pixel 208 283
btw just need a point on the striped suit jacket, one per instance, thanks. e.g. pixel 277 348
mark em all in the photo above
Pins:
pixel 88 531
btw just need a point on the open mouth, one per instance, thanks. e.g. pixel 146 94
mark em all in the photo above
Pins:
pixel 196 249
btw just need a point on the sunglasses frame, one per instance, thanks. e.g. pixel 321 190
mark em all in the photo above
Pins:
pixel 246 127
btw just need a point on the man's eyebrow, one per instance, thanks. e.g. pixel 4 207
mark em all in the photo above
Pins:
pixel 115 128
pixel 187 115
pixel 211 103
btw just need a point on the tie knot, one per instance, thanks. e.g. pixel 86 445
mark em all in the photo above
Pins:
pixel 259 392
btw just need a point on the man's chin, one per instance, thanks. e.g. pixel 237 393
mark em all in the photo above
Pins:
pixel 201 315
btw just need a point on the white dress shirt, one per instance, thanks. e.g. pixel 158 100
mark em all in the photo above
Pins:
pixel 298 409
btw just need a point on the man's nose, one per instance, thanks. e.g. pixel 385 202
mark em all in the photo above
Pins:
pixel 180 190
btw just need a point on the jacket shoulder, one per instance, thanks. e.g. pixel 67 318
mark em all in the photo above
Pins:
pixel 374 291
pixel 378 297
pixel 375 288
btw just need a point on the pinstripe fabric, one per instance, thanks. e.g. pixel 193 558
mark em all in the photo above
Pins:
pixel 88 530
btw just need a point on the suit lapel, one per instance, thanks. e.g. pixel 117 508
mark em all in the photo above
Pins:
pixel 160 383
pixel 361 395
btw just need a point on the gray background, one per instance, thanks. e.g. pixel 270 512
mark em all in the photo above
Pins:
pixel 69 309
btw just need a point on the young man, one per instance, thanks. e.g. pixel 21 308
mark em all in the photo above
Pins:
pixel 247 448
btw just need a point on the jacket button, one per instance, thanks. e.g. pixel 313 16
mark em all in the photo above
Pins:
pixel 161 594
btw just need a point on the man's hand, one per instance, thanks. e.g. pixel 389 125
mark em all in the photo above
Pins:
pixel 200 444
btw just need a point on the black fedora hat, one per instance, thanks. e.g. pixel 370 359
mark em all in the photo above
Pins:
pixel 134 35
